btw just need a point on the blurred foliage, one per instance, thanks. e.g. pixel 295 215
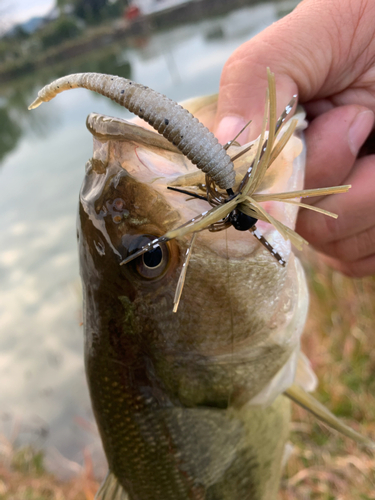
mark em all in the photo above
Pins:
pixel 20 33
pixel 10 49
pixel 57 31
pixel 90 10
pixel 94 11
pixel 28 461
pixel 21 52
pixel 23 477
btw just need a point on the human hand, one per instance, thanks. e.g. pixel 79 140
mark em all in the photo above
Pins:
pixel 324 51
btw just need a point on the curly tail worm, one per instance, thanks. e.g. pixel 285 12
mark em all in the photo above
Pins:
pixel 170 119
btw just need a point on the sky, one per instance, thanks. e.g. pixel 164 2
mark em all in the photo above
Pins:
pixel 17 11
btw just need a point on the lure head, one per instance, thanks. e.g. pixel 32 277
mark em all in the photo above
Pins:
pixel 241 221
pixel 241 313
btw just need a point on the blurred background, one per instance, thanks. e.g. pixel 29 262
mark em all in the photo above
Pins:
pixel 177 47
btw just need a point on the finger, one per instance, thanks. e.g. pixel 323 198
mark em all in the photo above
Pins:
pixel 317 108
pixel 358 269
pixel 311 54
pixel 244 79
pixel 333 140
pixel 355 209
pixel 243 84
pixel 353 248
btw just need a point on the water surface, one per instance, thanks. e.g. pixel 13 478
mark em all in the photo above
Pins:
pixel 43 397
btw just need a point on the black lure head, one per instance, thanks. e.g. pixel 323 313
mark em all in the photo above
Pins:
pixel 241 221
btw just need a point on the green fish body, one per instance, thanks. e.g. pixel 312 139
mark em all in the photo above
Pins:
pixel 184 401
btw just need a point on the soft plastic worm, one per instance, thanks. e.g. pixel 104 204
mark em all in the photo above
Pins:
pixel 170 119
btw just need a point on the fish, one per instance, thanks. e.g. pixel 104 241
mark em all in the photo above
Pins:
pixel 191 403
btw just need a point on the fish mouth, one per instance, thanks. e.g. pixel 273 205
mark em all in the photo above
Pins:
pixel 284 175
pixel 150 162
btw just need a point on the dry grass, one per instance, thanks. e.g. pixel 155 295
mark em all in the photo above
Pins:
pixel 340 342
pixel 339 339
pixel 23 477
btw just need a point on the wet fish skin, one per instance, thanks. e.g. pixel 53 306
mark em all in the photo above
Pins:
pixel 172 426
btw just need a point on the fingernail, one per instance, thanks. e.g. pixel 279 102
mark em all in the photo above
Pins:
pixel 359 130
pixel 229 127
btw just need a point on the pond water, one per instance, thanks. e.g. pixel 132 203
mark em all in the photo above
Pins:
pixel 43 396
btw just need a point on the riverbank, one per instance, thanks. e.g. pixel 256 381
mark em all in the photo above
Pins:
pixel 127 31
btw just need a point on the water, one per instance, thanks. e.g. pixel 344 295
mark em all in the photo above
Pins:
pixel 43 396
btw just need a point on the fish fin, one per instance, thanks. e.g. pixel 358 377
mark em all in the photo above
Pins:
pixel 307 401
pixel 305 376
pixel 111 489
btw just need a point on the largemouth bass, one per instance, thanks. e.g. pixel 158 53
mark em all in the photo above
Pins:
pixel 189 405
pixel 169 390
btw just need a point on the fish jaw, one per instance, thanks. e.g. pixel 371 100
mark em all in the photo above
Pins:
pixel 254 307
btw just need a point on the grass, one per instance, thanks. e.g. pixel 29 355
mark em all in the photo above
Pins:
pixel 23 477
pixel 340 342
pixel 339 339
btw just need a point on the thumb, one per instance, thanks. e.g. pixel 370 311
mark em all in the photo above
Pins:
pixel 297 49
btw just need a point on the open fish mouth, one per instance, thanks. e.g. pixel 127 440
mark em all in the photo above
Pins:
pixel 241 205
pixel 284 175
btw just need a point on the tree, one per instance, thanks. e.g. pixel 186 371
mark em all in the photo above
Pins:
pixel 90 10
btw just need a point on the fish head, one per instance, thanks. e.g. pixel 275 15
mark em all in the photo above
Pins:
pixel 241 313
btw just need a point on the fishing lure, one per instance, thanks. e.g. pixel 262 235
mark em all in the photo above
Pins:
pixel 239 209
pixel 236 218
pixel 235 206
pixel 170 119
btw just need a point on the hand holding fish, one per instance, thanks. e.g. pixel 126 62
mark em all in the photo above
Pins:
pixel 324 52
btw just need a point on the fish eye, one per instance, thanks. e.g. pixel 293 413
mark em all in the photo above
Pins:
pixel 153 263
